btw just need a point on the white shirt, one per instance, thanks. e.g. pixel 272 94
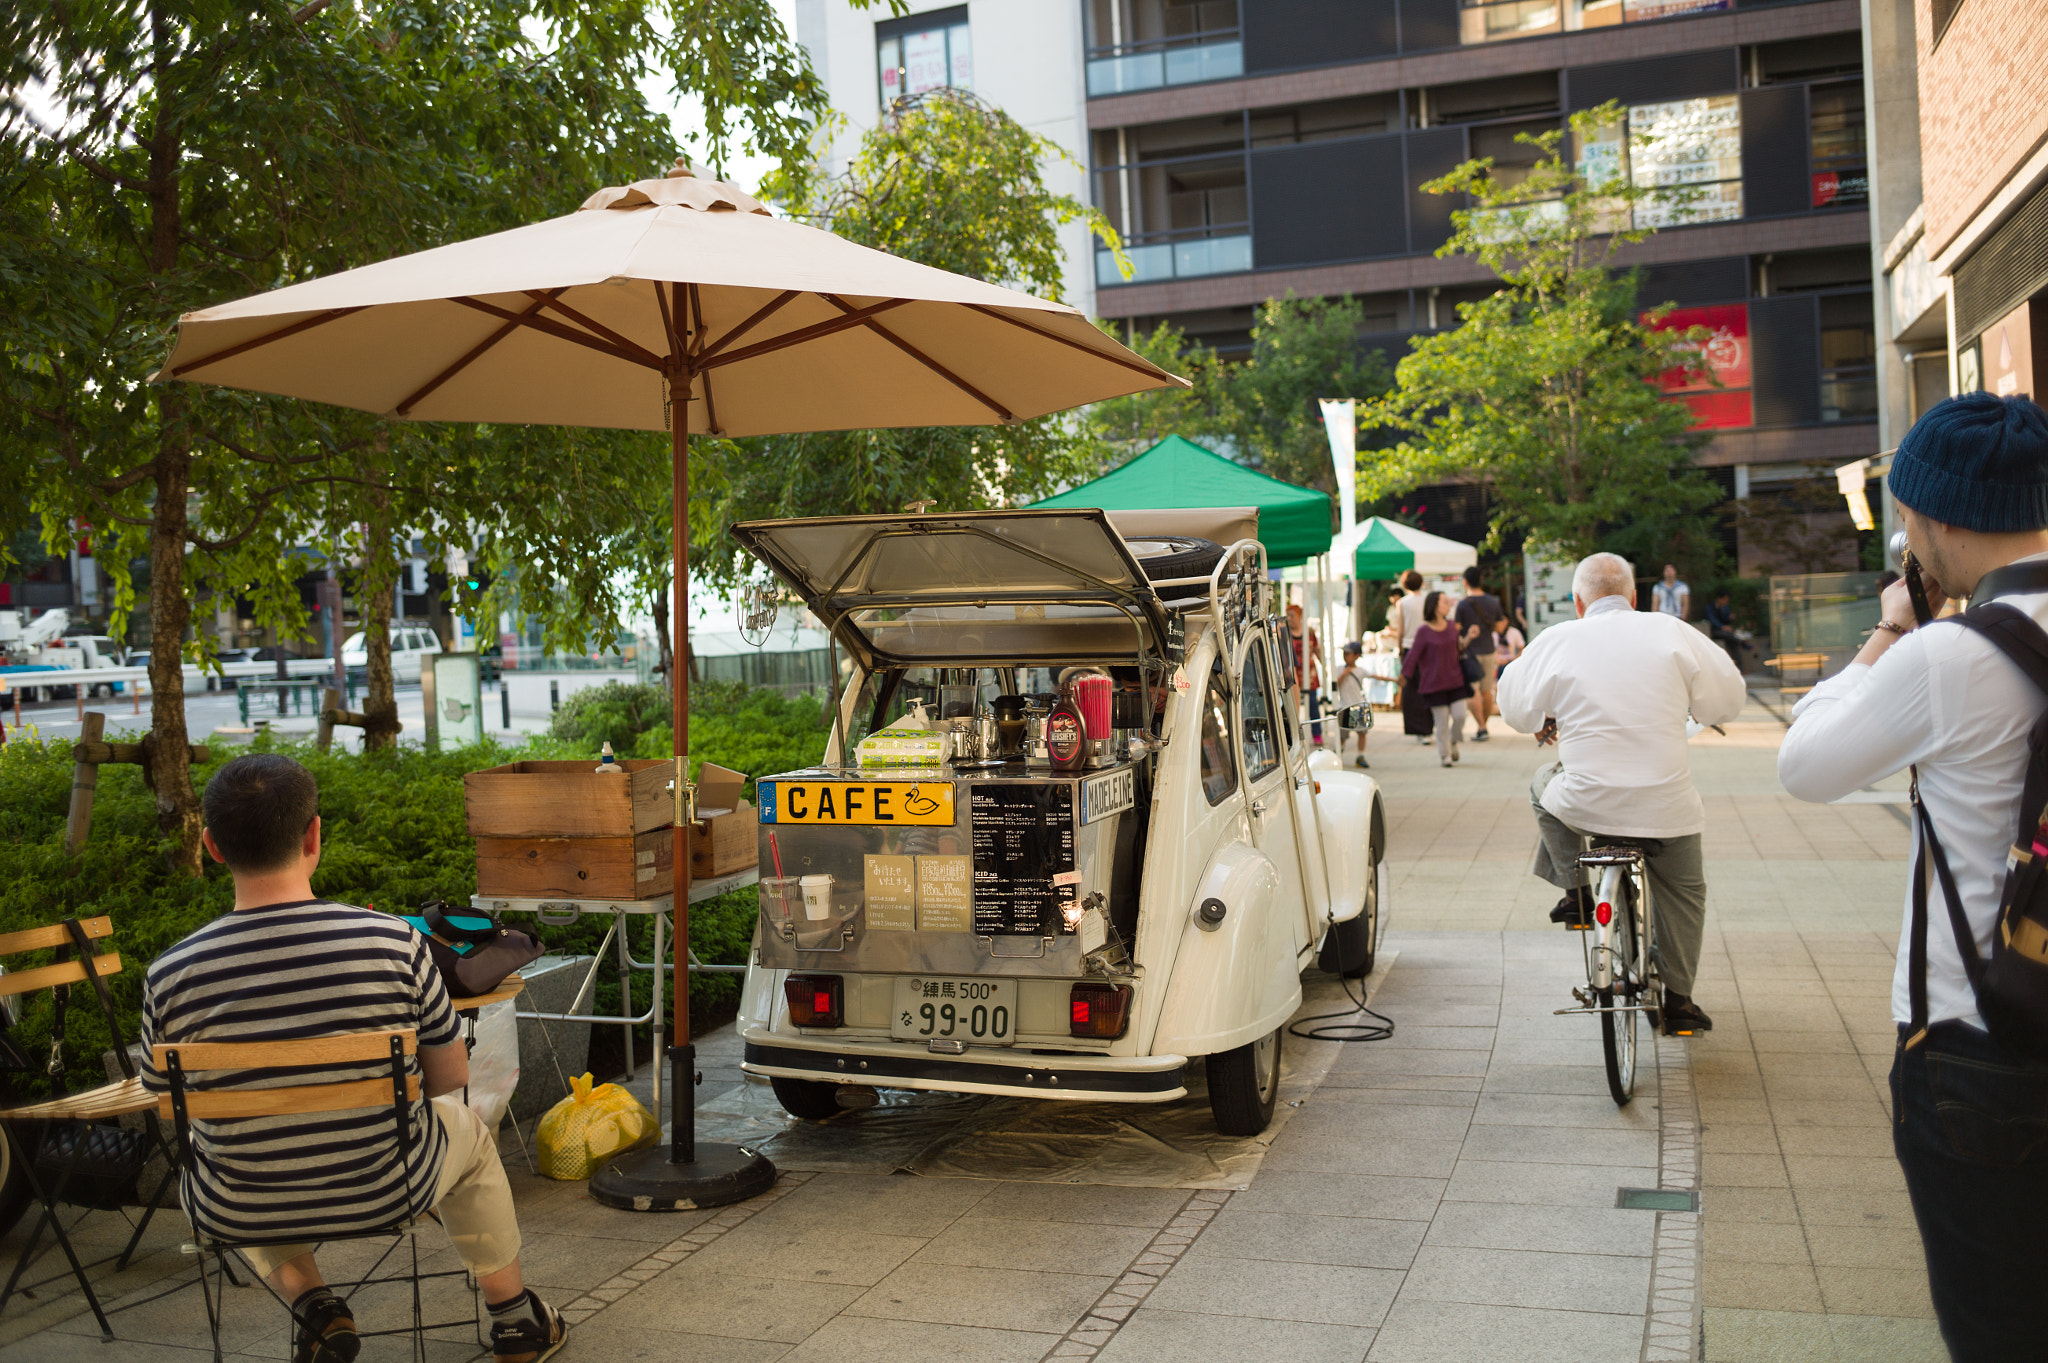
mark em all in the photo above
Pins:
pixel 1351 684
pixel 1670 597
pixel 1620 683
pixel 1411 618
pixel 1951 702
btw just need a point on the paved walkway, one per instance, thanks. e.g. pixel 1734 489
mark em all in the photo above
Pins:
pixel 1448 1194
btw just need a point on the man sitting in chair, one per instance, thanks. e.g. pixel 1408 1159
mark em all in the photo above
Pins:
pixel 288 965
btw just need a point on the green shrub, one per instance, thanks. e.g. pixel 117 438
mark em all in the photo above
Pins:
pixel 749 729
pixel 617 713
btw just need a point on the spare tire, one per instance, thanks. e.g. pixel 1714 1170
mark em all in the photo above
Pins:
pixel 1164 557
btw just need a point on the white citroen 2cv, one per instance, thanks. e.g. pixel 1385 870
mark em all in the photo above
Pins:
pixel 1018 913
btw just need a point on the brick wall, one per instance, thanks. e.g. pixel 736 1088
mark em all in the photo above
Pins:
pixel 1983 105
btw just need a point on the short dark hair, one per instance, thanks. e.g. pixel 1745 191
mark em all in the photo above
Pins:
pixel 258 808
pixel 1411 579
pixel 1472 576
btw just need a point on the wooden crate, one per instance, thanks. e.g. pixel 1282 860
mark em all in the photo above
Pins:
pixel 568 799
pixel 639 867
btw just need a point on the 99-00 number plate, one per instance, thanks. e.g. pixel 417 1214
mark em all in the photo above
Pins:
pixel 954 1008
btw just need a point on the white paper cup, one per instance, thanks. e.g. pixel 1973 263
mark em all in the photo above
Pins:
pixel 817 897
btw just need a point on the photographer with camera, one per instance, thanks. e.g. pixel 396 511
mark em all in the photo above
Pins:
pixel 1953 703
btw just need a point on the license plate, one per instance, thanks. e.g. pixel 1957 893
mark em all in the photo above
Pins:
pixel 918 803
pixel 950 1008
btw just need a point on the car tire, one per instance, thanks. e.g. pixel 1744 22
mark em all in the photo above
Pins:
pixel 1244 1085
pixel 1171 556
pixel 806 1098
pixel 1350 947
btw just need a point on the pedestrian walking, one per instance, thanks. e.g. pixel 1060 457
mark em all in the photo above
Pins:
pixel 1308 667
pixel 1415 718
pixel 1432 673
pixel 1969 1105
pixel 1670 596
pixel 1508 644
pixel 1476 615
pixel 1349 686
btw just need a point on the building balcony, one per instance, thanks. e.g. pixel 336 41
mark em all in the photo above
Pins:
pixel 1151 67
pixel 1192 258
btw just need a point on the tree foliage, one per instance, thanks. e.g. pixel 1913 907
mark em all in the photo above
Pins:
pixel 1547 392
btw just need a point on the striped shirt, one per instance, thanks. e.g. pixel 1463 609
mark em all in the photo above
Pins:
pixel 285 972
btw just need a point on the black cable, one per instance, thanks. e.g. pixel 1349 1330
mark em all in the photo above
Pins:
pixel 1345 1031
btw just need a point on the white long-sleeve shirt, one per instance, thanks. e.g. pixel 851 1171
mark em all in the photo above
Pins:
pixel 1950 702
pixel 1620 683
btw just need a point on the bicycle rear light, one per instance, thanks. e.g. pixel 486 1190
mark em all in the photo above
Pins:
pixel 814 1000
pixel 1099 1010
pixel 1605 913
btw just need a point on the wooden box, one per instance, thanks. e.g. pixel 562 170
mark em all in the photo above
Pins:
pixel 639 867
pixel 569 799
pixel 726 836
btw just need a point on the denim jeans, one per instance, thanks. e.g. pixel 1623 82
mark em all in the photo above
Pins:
pixel 1970 1125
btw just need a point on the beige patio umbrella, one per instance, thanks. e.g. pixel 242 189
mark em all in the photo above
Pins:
pixel 664 289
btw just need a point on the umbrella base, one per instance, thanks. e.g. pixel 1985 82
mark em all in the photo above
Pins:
pixel 651 1180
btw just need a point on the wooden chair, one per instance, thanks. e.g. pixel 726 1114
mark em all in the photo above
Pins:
pixel 186 1103
pixel 27 1128
pixel 1802 663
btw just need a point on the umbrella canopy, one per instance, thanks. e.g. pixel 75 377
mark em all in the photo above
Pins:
pixel 1386 549
pixel 591 319
pixel 1294 522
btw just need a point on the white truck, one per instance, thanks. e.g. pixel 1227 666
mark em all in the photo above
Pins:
pixel 31 649
pixel 1007 927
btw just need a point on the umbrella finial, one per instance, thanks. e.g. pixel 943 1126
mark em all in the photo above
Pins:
pixel 680 170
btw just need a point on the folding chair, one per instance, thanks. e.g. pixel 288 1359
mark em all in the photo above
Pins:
pixel 30 1130
pixel 186 1103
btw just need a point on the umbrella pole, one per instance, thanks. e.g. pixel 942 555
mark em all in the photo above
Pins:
pixel 687 1175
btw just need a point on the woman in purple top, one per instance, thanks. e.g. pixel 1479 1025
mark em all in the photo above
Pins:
pixel 1431 668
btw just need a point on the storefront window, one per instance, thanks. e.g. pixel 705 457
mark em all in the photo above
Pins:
pixel 929 59
pixel 1489 21
pixel 1841 177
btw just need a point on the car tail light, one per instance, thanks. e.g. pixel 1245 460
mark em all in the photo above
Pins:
pixel 1605 913
pixel 814 1000
pixel 1099 1010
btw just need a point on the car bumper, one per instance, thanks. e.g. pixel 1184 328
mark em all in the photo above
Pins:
pixel 1076 1078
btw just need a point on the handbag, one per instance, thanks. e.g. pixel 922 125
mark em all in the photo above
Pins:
pixel 1468 667
pixel 470 950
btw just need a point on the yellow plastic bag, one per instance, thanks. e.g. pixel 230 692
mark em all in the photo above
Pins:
pixel 590 1126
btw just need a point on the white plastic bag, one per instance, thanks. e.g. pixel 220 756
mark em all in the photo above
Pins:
pixel 494 1062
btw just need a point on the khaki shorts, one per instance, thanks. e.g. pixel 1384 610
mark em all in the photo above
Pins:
pixel 473 1198
pixel 1489 672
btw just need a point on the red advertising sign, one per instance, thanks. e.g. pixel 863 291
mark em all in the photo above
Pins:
pixel 1722 401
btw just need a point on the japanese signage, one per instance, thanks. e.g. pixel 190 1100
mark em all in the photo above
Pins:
pixel 1718 389
pixel 891 885
pixel 1840 187
pixel 1023 851
pixel 945 894
pixel 1692 150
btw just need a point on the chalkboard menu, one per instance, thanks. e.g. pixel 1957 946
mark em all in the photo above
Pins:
pixel 1023 846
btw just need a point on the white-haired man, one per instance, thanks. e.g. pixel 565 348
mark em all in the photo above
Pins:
pixel 1616 686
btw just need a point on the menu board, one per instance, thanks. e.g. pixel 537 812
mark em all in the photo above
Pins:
pixel 1023 856
pixel 945 894
pixel 891 893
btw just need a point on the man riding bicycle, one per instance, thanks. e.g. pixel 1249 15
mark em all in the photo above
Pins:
pixel 1614 688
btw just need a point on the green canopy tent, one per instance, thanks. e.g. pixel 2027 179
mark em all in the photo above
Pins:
pixel 1177 474
pixel 1382 550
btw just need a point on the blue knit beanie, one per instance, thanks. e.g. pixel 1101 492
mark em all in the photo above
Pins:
pixel 1978 462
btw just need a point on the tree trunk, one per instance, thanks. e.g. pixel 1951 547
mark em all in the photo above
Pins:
pixel 667 657
pixel 170 767
pixel 378 582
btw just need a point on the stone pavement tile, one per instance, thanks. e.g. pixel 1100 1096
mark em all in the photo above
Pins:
pixel 249 1319
pixel 574 1263
pixel 904 1206
pixel 1423 1036
pixel 1826 1088
pixel 849 1340
pixel 1496 1277
pixel 1358 1242
pixel 1740 1335
pixel 1363 1154
pixel 738 1306
pixel 1559 1109
pixel 1515 1051
pixel 1367 1195
pixel 1418 1331
pixel 1049 1303
pixel 1587 1081
pixel 1041 1246
pixel 836 1254
pixel 1098 1204
pixel 51 1347
pixel 1770 1205
pixel 1398 1122
pixel 1561 1185
pixel 1384 1095
pixel 1326 1294
pixel 579 1215
pixel 1560 1145
pixel 1777 1065
pixel 1867 1142
pixel 1155 1336
pixel 1874 1291
pixel 1894 1339
pixel 1855 1207
pixel 1832 1042
pixel 1744 1171
pixel 644 1345
pixel 1562 1230
pixel 1468 1084
pixel 1735 1112
pixel 1756 1242
pixel 1845 1171
pixel 1384 1060
pixel 1896 1247
pixel 1723 1138
pixel 1758 1286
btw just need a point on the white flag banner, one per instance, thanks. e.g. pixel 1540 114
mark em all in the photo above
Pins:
pixel 1340 419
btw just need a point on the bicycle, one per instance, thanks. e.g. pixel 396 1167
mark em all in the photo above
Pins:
pixel 1620 951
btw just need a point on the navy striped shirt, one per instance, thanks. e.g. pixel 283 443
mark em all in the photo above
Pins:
pixel 284 972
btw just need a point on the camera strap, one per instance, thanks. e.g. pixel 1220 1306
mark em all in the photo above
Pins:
pixel 2013 579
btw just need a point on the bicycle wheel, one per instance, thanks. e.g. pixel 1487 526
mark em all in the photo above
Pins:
pixel 1651 974
pixel 1618 1016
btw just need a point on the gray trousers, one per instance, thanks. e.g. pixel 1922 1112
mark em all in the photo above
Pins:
pixel 1678 882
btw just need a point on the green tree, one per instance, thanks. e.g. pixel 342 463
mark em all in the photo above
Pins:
pixel 1547 391
pixel 1115 430
pixel 1303 350
pixel 948 181
pixel 183 152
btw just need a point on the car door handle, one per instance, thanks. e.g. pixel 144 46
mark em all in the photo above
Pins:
pixel 1258 806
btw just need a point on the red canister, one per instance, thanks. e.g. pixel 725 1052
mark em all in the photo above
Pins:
pixel 1091 698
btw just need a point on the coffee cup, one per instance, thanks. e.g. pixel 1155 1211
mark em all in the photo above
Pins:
pixel 817 897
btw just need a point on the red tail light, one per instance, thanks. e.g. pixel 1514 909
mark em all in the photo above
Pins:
pixel 1605 913
pixel 1099 1010
pixel 814 1000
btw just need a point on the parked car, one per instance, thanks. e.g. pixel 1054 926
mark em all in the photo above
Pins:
pixel 410 644
pixel 1011 927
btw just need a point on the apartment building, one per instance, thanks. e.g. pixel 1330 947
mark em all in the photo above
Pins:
pixel 1247 149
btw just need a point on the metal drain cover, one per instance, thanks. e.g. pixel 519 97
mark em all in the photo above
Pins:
pixel 1657 1199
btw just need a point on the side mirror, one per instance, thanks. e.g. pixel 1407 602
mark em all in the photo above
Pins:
pixel 1355 719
